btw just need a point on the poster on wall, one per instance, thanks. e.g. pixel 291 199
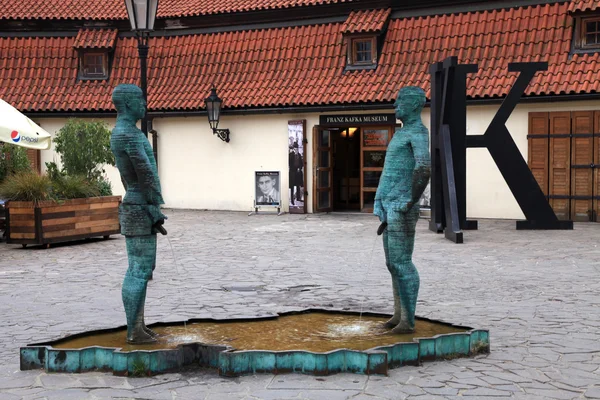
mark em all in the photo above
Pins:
pixel 267 188
pixel 297 164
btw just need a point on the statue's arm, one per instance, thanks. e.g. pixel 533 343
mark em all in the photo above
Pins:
pixel 145 173
pixel 420 146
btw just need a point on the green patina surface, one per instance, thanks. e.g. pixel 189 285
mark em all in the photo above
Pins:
pixel 405 175
pixel 139 213
pixel 231 363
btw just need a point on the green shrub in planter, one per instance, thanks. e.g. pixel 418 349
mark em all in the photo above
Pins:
pixel 13 160
pixel 84 148
pixel 27 186
pixel 73 187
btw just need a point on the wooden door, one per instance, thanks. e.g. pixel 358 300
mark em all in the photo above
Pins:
pixel 34 160
pixel 373 146
pixel 596 169
pixel 559 182
pixel 323 175
pixel 538 141
pixel 582 161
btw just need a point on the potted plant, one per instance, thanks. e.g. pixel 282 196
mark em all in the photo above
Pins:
pixel 13 159
pixel 70 203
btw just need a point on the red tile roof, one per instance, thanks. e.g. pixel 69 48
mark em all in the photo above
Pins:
pixel 366 21
pixel 584 5
pixel 63 9
pixel 95 39
pixel 115 9
pixel 298 66
pixel 205 7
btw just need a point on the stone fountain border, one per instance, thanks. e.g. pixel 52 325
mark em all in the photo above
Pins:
pixel 232 363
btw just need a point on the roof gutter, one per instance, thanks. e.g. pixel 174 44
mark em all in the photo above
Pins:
pixel 311 109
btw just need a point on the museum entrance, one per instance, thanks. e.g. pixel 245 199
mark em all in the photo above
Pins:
pixel 348 161
pixel 346 169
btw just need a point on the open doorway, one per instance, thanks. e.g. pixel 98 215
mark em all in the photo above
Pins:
pixel 346 169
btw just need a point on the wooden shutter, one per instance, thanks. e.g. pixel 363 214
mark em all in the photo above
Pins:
pixel 596 171
pixel 538 148
pixel 582 157
pixel 34 159
pixel 560 163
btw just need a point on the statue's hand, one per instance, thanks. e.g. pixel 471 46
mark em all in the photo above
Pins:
pixel 379 211
pixel 159 228
pixel 406 206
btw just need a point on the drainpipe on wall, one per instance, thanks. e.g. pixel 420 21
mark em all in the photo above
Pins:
pixel 154 134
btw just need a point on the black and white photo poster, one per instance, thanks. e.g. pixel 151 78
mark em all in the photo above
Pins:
pixel 296 132
pixel 267 188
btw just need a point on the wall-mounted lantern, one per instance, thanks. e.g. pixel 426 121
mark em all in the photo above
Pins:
pixel 213 108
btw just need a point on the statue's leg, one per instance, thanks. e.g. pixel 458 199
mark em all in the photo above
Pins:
pixel 401 237
pixel 395 320
pixel 140 252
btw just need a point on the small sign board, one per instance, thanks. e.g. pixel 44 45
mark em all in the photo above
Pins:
pixel 357 120
pixel 267 188
pixel 375 137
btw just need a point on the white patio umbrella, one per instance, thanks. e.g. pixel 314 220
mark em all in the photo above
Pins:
pixel 17 129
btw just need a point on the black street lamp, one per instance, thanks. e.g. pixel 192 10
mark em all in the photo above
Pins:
pixel 142 14
pixel 213 108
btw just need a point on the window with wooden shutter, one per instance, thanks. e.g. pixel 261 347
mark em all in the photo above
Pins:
pixel 34 159
pixel 559 163
pixel 582 156
pixel 564 156
pixel 538 148
pixel 596 169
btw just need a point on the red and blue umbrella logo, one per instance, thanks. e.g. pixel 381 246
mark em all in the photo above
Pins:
pixel 15 136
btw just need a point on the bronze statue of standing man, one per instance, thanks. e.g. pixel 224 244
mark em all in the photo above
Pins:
pixel 139 213
pixel 405 175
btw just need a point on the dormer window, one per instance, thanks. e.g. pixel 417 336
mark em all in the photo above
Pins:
pixel 364 51
pixel 94 66
pixel 363 31
pixel 95 47
pixel 590 35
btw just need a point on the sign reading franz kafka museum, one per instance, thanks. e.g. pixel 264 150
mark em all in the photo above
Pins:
pixel 360 119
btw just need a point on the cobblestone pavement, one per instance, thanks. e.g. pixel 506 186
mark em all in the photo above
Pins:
pixel 537 292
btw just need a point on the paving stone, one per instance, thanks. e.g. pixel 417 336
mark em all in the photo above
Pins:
pixel 107 393
pixel 486 392
pixel 443 391
pixel 541 308
pixel 593 392
pixel 64 394
pixel 553 394
pixel 10 396
pixel 330 394
pixel 342 381
pixel 270 394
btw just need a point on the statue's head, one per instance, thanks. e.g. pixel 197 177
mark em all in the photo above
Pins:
pixel 410 102
pixel 129 99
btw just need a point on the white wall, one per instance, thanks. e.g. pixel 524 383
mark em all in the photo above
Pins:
pixel 200 171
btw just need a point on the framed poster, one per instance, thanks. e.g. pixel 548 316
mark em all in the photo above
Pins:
pixel 375 137
pixel 267 188
pixel 297 166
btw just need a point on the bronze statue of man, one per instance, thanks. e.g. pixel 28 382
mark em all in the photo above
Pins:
pixel 139 213
pixel 405 175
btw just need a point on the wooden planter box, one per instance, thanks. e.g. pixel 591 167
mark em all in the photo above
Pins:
pixel 53 222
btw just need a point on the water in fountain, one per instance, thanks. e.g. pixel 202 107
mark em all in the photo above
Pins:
pixel 362 304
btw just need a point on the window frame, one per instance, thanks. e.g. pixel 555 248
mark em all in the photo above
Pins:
pixel 583 36
pixel 351 58
pixel 581 32
pixel 86 76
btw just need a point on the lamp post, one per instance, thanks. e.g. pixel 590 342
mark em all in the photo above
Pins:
pixel 142 14
pixel 213 108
